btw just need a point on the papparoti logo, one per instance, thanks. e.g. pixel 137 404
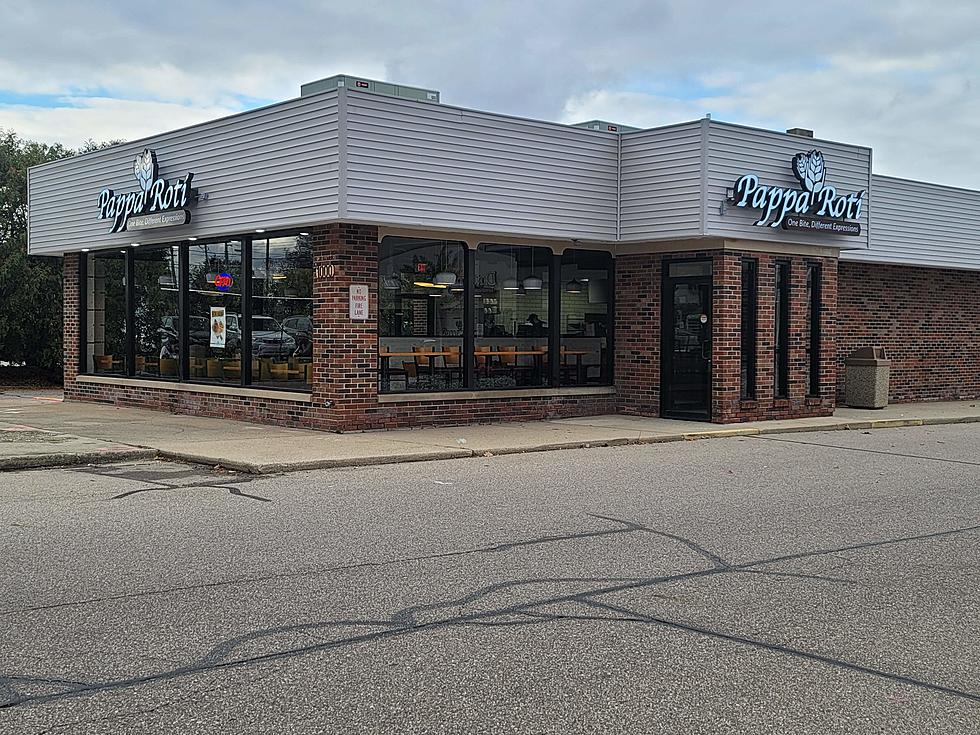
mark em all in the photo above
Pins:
pixel 223 281
pixel 815 196
pixel 155 194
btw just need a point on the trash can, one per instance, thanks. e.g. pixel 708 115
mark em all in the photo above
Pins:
pixel 866 378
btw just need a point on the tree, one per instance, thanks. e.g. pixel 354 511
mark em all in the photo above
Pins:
pixel 31 323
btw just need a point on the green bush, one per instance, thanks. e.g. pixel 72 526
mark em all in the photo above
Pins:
pixel 31 323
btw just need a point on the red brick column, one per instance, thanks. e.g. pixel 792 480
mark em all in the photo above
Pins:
pixel 637 368
pixel 828 332
pixel 71 337
pixel 345 352
pixel 726 335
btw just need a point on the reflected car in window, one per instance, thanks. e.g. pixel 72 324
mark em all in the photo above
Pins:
pixel 270 339
pixel 300 328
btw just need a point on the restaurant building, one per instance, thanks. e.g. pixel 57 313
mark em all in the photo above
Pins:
pixel 365 256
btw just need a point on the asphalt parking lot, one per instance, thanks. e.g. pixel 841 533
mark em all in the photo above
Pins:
pixel 812 583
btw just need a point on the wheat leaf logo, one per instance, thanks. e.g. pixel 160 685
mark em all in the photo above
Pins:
pixel 811 171
pixel 145 168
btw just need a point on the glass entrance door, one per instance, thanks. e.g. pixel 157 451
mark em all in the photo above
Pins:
pixel 686 383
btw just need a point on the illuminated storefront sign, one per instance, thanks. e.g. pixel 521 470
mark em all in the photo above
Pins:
pixel 135 210
pixel 814 207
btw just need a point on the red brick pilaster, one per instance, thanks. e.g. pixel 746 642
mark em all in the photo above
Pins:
pixel 71 336
pixel 637 369
pixel 345 352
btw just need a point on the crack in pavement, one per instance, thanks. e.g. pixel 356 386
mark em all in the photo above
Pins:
pixel 865 450
pixel 403 623
pixel 491 549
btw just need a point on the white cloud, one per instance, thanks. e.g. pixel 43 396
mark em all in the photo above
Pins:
pixel 103 119
pixel 893 74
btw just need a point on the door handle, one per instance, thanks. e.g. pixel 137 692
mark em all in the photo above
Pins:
pixel 706 347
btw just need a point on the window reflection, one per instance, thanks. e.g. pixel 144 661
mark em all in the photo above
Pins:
pixel 420 315
pixel 106 313
pixel 215 305
pixel 157 324
pixel 511 323
pixel 586 317
pixel 282 312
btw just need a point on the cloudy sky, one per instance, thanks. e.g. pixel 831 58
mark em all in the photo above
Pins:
pixel 900 76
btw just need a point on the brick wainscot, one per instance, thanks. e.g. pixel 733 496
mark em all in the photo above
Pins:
pixel 345 381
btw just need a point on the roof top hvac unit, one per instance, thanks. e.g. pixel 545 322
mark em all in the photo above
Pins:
pixel 605 126
pixel 369 85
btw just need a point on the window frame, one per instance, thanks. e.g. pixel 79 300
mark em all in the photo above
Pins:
pixel 782 314
pixel 814 273
pixel 552 264
pixel 183 308
pixel 749 329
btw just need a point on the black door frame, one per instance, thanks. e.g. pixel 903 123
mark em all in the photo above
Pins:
pixel 667 338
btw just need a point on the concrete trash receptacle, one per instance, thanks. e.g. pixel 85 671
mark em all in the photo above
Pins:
pixel 866 374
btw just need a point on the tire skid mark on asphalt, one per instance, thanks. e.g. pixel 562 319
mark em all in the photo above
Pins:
pixel 491 549
pixel 866 450
pixel 217 658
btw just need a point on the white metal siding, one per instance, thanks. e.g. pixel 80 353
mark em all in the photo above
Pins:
pixel 915 223
pixel 418 164
pixel 272 167
pixel 734 150
pixel 661 183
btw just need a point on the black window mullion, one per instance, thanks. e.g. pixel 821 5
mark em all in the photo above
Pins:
pixel 183 312
pixel 83 313
pixel 782 329
pixel 816 306
pixel 246 371
pixel 469 314
pixel 749 326
pixel 130 270
pixel 611 323
pixel 554 321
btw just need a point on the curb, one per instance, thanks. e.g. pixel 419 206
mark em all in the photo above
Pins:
pixel 72 459
pixel 67 459
pixel 272 468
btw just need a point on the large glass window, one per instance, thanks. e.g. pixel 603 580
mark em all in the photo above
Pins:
pixel 781 351
pixel 420 315
pixel 282 312
pixel 215 311
pixel 813 279
pixel 749 326
pixel 156 318
pixel 511 321
pixel 586 318
pixel 105 292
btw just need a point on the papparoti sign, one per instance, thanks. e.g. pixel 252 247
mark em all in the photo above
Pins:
pixel 814 207
pixel 135 210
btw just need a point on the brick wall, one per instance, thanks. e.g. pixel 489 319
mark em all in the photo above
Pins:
pixel 637 336
pixel 928 321
pixel 727 403
pixel 72 326
pixel 345 382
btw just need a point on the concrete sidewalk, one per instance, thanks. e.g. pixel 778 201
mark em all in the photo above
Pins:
pixel 38 429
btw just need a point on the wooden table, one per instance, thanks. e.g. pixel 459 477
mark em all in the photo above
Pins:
pixel 385 359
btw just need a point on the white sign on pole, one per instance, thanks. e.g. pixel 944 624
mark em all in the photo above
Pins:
pixel 359 302
pixel 217 326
